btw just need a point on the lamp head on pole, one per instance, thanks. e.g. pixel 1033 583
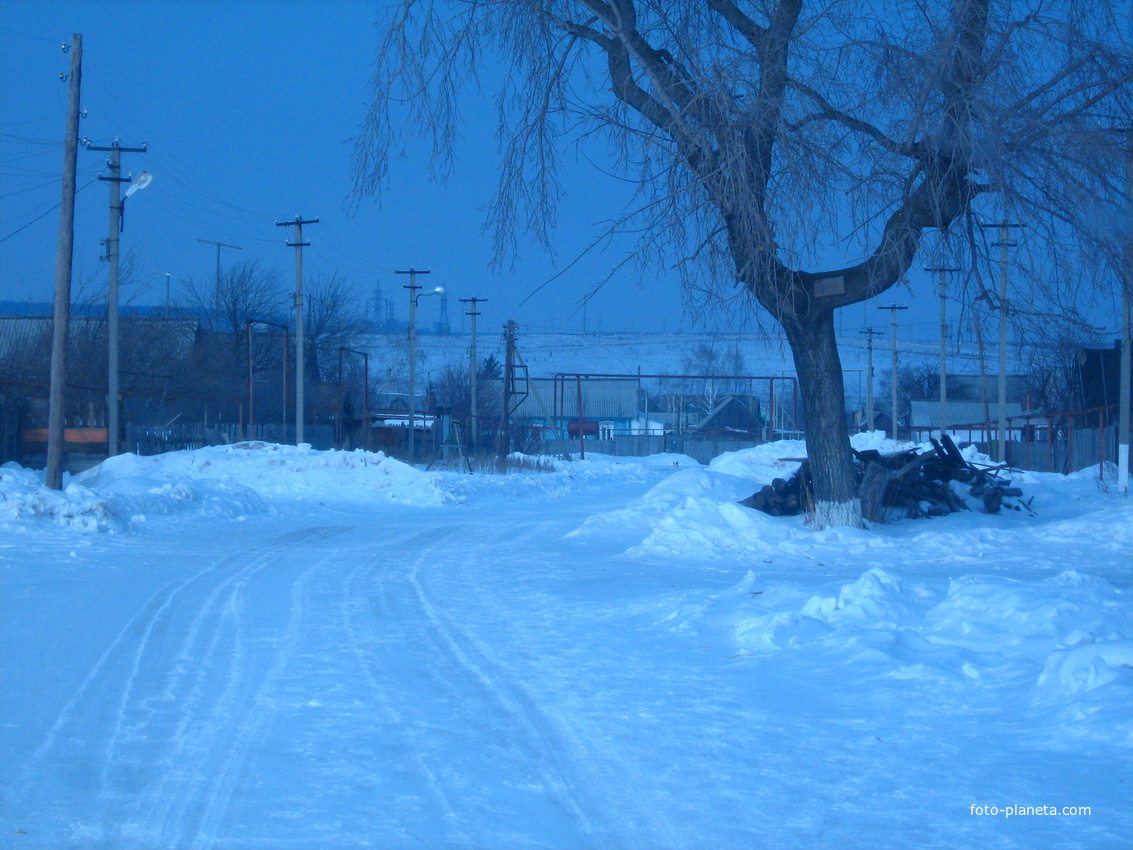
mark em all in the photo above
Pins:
pixel 143 179
pixel 437 291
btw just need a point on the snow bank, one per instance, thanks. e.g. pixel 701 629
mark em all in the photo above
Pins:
pixel 694 510
pixel 251 471
pixel 1068 638
pixel 229 481
pixel 26 504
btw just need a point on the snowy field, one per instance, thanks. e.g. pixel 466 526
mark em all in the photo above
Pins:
pixel 259 646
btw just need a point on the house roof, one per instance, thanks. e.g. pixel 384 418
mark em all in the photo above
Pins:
pixel 926 414
pixel 733 411
pixel 20 332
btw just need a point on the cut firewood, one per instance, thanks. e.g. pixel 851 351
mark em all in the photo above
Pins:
pixel 918 484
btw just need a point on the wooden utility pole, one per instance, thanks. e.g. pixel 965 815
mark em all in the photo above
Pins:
pixel 300 353
pixel 114 163
pixel 64 255
pixel 473 370
pixel 893 384
pixel 870 334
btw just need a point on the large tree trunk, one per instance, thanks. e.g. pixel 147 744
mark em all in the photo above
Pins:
pixel 834 481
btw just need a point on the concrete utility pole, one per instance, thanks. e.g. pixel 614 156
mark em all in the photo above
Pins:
pixel 1126 354
pixel 300 352
pixel 114 162
pixel 413 286
pixel 64 256
pixel 473 371
pixel 943 286
pixel 509 377
pixel 893 384
pixel 1004 308
pixel 870 334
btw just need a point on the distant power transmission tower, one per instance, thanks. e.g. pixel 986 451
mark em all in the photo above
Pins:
pixel 378 310
pixel 443 326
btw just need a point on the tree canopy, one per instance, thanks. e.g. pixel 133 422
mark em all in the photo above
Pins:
pixel 792 153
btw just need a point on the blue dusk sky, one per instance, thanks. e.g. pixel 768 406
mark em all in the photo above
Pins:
pixel 248 109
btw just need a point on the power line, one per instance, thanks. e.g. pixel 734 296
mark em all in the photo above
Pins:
pixel 38 217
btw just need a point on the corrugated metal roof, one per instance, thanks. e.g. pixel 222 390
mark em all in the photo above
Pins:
pixel 602 398
pixel 926 414
pixel 19 333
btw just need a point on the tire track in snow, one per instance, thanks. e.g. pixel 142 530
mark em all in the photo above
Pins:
pixel 354 608
pixel 468 671
pixel 251 728
pixel 135 653
pixel 441 708
pixel 220 729
pixel 602 777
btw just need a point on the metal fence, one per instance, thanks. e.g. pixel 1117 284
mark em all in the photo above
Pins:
pixel 643 445
pixel 11 428
pixel 1064 442
pixel 156 439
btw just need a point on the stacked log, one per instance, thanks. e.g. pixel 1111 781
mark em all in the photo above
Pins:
pixel 918 484
pixel 783 496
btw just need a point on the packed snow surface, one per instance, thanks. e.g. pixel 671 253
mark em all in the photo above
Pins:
pixel 267 646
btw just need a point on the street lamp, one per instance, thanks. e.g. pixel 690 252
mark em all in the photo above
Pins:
pixel 143 179
pixel 414 296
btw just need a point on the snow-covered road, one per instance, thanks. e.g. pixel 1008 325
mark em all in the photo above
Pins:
pixel 328 680
pixel 512 669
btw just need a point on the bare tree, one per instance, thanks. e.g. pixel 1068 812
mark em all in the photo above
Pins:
pixel 920 382
pixel 795 153
pixel 1053 369
pixel 224 306
pixel 451 388
pixel 245 291
pixel 335 318
pixel 714 361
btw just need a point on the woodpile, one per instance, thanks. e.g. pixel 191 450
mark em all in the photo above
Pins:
pixel 916 484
